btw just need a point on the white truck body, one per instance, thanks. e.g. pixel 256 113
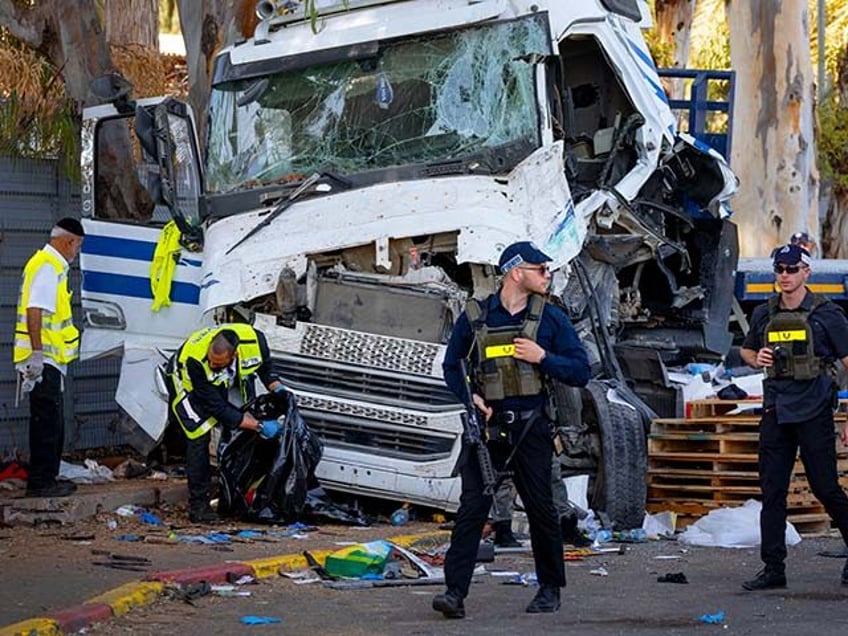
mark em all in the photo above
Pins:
pixel 536 120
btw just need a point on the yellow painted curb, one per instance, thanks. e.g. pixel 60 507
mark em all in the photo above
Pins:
pixel 123 599
pixel 33 627
pixel 263 568
pixel 406 540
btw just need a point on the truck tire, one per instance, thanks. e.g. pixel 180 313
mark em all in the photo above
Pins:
pixel 619 487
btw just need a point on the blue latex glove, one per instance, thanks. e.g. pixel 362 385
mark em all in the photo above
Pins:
pixel 281 388
pixel 269 429
pixel 259 620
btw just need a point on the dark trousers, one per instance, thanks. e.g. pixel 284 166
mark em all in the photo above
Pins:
pixel 46 429
pixel 198 472
pixel 779 443
pixel 532 475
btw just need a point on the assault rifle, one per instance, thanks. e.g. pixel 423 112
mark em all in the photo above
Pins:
pixel 473 435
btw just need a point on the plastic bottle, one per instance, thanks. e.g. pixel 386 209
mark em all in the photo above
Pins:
pixel 400 516
pixel 603 536
pixel 638 535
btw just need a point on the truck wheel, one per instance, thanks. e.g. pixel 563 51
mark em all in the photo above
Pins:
pixel 619 487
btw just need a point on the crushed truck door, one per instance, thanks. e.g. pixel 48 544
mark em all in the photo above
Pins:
pixel 142 257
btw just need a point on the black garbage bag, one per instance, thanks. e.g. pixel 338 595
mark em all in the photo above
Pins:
pixel 268 479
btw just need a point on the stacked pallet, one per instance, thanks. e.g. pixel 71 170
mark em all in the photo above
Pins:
pixel 708 460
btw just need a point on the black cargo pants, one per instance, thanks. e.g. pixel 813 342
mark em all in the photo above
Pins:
pixel 779 444
pixel 531 466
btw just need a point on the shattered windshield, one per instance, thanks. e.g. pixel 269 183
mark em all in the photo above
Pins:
pixel 432 98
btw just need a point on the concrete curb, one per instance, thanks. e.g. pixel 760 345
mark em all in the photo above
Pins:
pixel 142 593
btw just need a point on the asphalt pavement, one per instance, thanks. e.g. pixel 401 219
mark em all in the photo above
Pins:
pixel 606 595
pixel 55 584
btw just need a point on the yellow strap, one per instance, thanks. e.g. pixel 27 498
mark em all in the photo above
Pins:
pixel 164 265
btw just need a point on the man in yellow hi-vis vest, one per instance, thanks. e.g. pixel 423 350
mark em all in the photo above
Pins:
pixel 46 341
pixel 200 375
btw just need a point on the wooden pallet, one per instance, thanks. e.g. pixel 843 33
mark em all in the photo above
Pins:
pixel 709 460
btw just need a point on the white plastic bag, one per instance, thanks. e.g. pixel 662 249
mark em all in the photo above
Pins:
pixel 732 528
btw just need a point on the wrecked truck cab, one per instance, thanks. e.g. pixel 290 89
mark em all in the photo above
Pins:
pixel 358 187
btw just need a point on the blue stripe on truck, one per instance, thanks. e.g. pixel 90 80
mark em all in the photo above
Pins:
pixel 136 287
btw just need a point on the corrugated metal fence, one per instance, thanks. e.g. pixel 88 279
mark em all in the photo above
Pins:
pixel 33 196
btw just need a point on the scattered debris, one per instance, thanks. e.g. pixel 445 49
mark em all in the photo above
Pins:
pixel 676 577
pixel 259 620
pixel 712 619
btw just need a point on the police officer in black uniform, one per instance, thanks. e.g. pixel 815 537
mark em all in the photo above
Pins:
pixel 796 336
pixel 512 341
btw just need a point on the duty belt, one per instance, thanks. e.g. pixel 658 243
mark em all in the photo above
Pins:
pixel 510 417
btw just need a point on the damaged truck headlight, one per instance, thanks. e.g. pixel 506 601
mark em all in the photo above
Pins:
pixel 103 315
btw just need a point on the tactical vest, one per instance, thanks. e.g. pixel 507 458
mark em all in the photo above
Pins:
pixel 499 373
pixel 790 336
pixel 59 337
pixel 249 360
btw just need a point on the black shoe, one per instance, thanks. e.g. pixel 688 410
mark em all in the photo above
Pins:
pixel 845 574
pixel 767 580
pixel 204 515
pixel 57 489
pixel 450 604
pixel 570 533
pixel 503 535
pixel 546 600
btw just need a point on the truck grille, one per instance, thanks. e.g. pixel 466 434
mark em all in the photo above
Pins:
pixel 395 355
pixel 376 431
pixel 360 382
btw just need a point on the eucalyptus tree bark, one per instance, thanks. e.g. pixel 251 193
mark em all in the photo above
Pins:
pixel 69 34
pixel 773 140
pixel 673 24
pixel 207 27
pixel 132 22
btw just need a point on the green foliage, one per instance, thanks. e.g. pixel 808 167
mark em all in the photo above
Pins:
pixel 169 19
pixel 832 143
pixel 24 134
pixel 662 52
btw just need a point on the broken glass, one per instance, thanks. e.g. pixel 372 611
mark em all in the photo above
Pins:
pixel 433 98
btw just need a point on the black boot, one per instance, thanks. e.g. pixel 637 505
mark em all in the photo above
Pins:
pixel 766 579
pixel 546 600
pixel 203 514
pixel 570 533
pixel 503 535
pixel 450 604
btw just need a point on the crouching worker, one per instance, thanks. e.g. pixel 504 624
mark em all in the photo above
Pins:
pixel 200 375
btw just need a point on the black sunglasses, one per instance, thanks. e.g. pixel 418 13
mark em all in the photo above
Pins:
pixel 788 269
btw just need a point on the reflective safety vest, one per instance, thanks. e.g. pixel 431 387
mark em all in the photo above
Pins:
pixel 164 264
pixel 59 337
pixel 499 373
pixel 790 336
pixel 249 358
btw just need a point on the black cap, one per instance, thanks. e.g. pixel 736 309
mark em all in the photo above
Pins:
pixel 72 225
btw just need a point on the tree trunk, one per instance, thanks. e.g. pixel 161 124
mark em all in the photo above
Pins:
pixel 773 144
pixel 208 26
pixel 673 24
pixel 133 22
pixel 70 35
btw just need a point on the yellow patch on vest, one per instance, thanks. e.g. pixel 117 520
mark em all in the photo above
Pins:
pixel 500 351
pixel 787 336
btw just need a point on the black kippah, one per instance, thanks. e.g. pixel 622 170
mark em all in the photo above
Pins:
pixel 230 336
pixel 71 225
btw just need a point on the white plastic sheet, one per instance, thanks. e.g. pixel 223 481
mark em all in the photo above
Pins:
pixel 91 473
pixel 732 528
